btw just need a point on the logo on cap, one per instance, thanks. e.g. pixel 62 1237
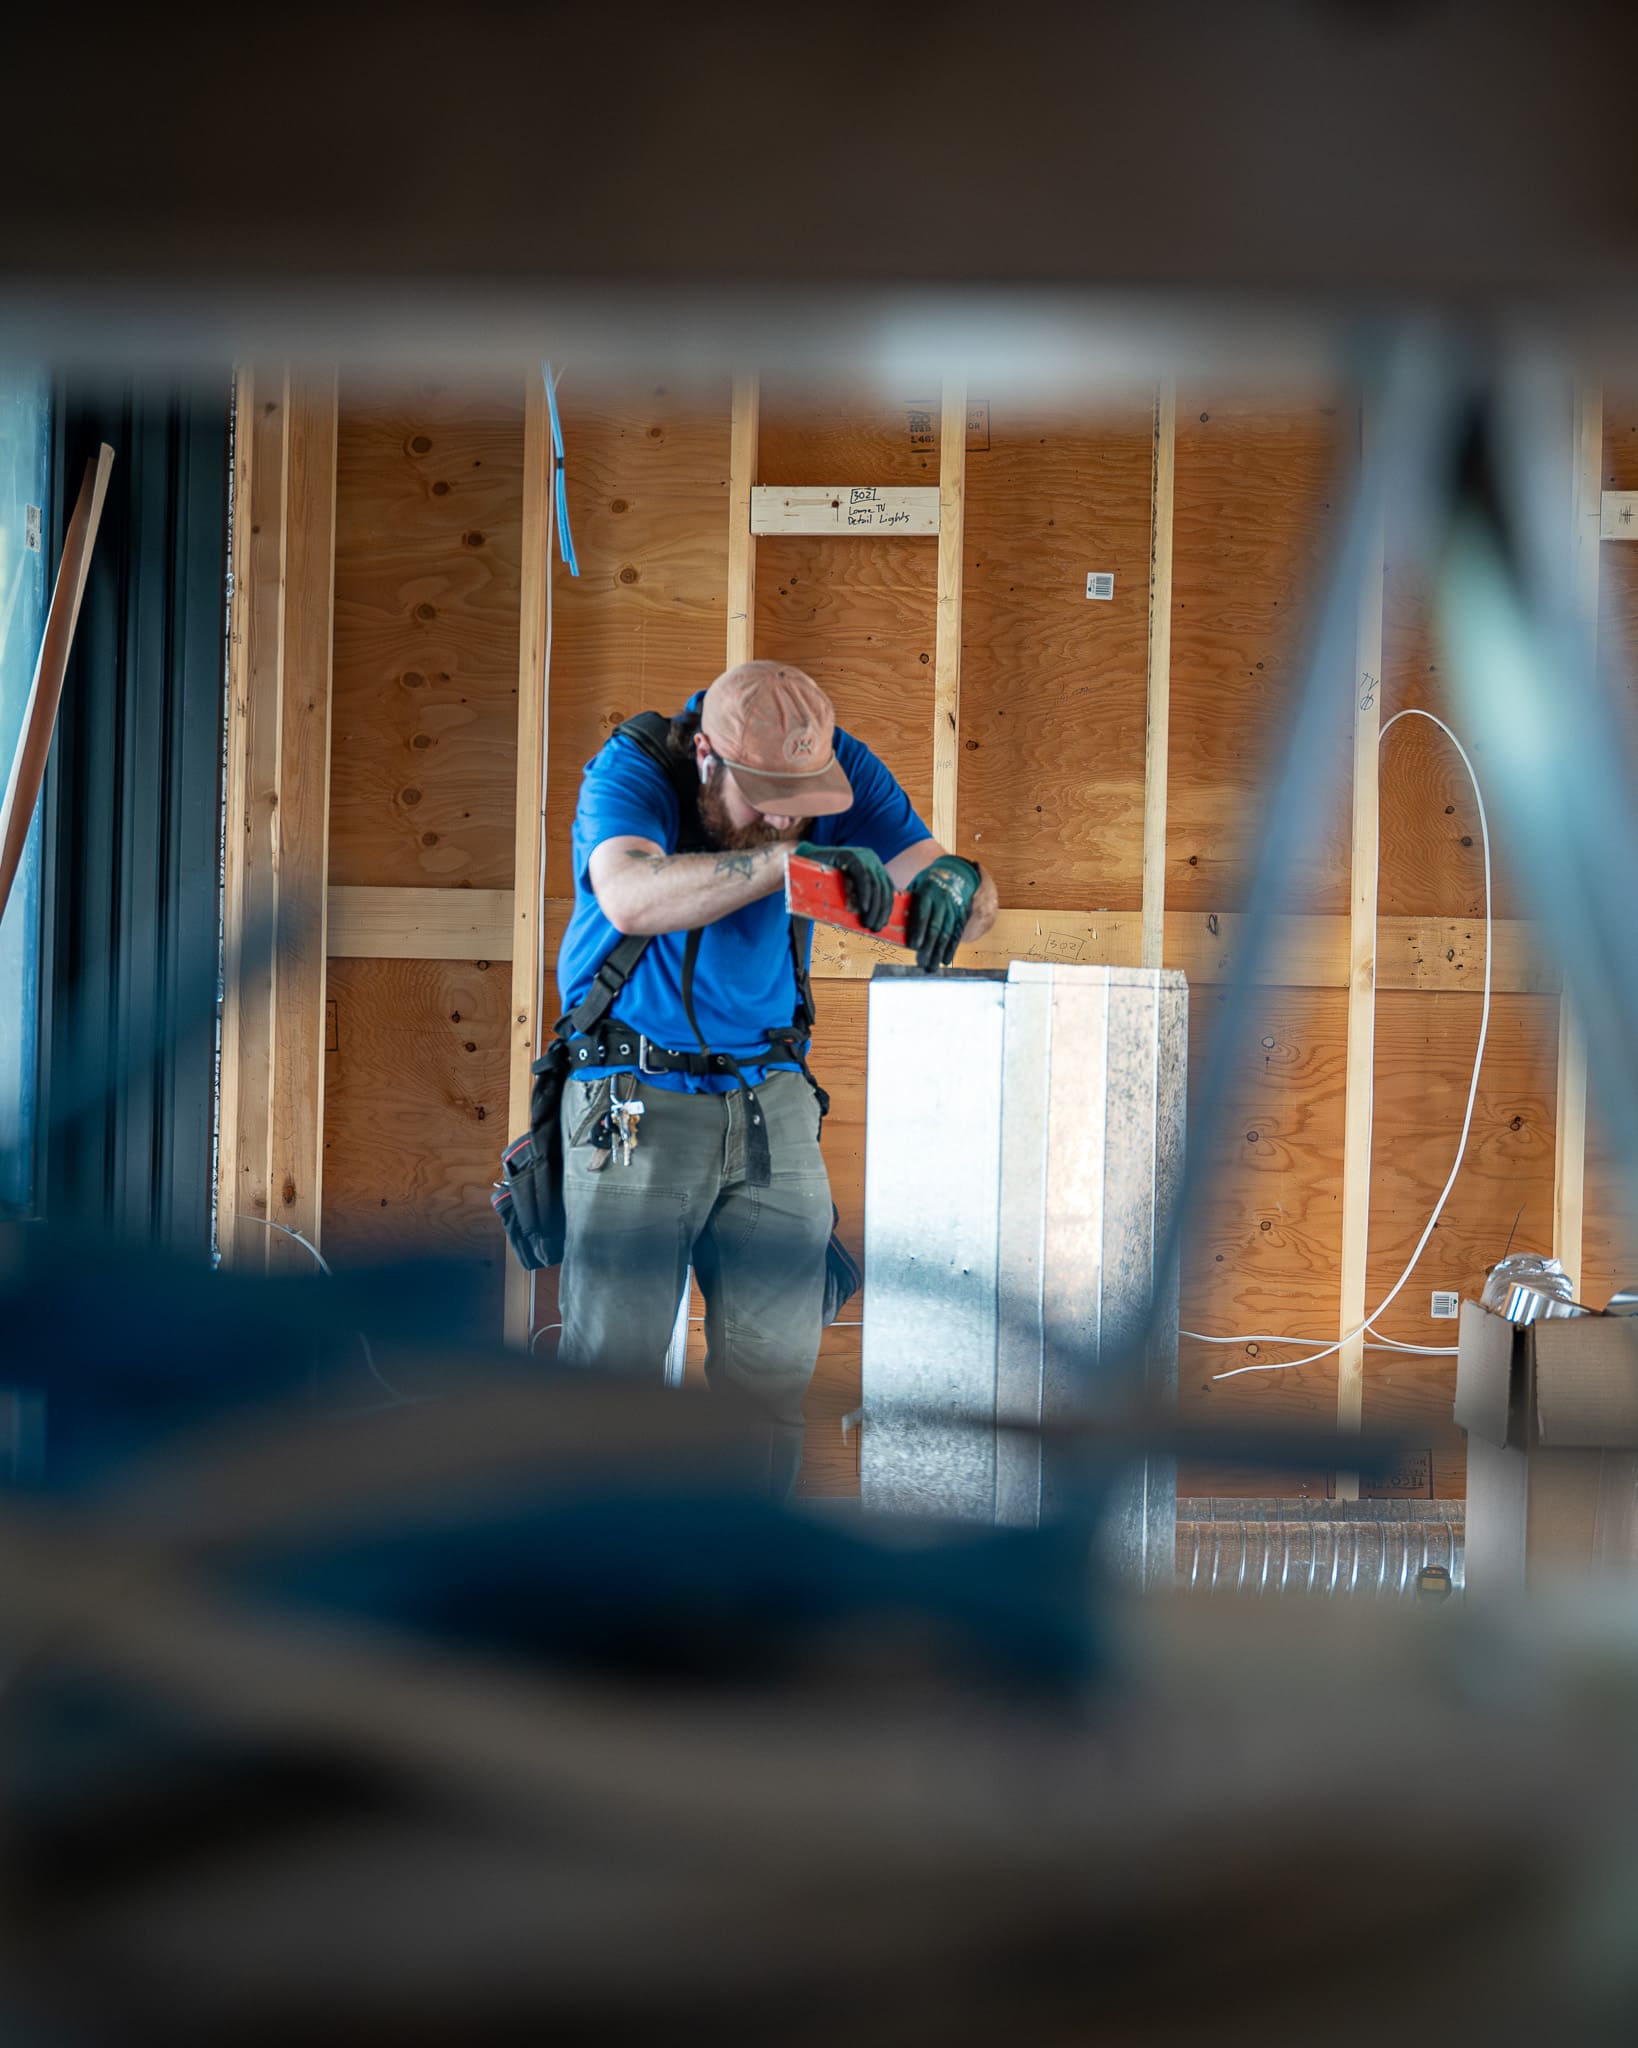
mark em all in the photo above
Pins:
pixel 799 744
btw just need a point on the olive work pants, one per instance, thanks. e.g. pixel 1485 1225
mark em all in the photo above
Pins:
pixel 758 1253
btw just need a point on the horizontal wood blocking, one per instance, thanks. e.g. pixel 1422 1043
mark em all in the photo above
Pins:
pixel 420 924
pixel 1309 952
pixel 1618 515
pixel 844 508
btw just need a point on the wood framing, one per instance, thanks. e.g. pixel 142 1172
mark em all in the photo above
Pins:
pixel 744 426
pixel 1362 983
pixel 1157 730
pixel 952 495
pixel 278 794
pixel 1590 514
pixel 528 938
pixel 1049 771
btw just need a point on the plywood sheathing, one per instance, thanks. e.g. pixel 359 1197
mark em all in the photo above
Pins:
pixel 1053 699
pixel 429 549
pixel 1258 493
pixel 860 615
pixel 429 514
pixel 645 623
pixel 415 1111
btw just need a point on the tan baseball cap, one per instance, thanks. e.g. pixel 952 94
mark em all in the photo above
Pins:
pixel 774 729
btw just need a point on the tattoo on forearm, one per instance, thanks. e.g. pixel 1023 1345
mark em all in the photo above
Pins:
pixel 741 866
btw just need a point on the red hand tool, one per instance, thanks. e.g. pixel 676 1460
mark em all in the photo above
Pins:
pixel 813 890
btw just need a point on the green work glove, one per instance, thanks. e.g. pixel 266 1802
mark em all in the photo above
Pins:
pixel 869 886
pixel 941 900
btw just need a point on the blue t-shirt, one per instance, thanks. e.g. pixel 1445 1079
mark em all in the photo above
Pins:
pixel 744 979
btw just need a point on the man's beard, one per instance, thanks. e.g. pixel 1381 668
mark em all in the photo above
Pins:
pixel 731 838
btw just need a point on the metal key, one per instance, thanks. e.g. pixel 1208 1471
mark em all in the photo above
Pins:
pixel 627 1116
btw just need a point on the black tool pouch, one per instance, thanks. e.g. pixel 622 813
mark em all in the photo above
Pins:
pixel 529 1201
pixel 842 1274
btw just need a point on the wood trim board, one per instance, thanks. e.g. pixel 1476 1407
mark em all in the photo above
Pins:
pixel 28 764
pixel 1436 954
pixel 303 820
pixel 249 899
pixel 489 920
pixel 952 497
pixel 1157 731
pixel 276 897
pixel 1590 512
pixel 1363 940
pixel 743 430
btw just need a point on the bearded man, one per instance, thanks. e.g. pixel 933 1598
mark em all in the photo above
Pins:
pixel 691 1121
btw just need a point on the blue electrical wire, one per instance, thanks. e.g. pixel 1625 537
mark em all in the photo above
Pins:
pixel 565 539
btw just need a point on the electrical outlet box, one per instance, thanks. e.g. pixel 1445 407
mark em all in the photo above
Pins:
pixel 1100 583
pixel 1447 1304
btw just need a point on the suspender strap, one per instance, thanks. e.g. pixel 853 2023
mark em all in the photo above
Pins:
pixel 801 934
pixel 604 992
pixel 690 960
pixel 801 1029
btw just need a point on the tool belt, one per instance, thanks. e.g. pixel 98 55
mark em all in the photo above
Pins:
pixel 617 1045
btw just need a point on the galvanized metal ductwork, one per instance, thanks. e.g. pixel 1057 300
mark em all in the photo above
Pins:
pixel 1025 1153
pixel 1372 1549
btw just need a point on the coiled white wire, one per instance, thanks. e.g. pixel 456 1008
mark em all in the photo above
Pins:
pixel 1367 1328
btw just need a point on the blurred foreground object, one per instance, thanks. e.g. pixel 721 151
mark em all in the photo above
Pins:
pixel 1550 1406
pixel 513 1715
pixel 1503 182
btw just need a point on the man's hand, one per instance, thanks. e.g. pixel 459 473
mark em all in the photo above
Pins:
pixel 869 887
pixel 941 898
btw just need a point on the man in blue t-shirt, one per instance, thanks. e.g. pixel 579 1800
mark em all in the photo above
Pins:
pixel 690 1123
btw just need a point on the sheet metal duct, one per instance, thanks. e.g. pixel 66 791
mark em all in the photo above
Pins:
pixel 1369 1549
pixel 1025 1143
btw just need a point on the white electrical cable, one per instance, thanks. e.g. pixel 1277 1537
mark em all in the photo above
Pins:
pixel 1367 1327
pixel 380 1378
pixel 284 1230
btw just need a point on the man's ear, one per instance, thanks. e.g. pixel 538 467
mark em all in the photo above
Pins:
pixel 703 755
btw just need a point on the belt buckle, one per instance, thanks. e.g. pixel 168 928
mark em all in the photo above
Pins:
pixel 643 1066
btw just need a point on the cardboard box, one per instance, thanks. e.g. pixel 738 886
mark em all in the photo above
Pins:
pixel 1551 1414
